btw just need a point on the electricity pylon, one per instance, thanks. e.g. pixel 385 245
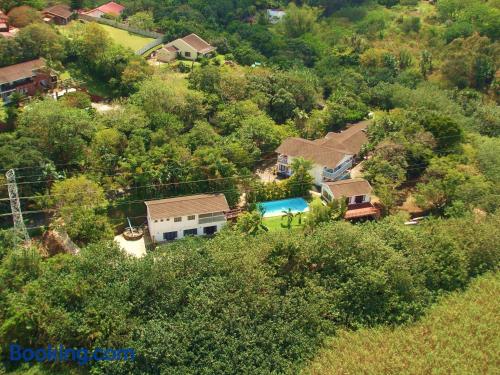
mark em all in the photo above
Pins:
pixel 15 207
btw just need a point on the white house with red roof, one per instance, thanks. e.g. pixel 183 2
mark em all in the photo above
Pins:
pixel 110 9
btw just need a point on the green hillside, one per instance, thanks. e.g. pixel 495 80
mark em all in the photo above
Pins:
pixel 458 336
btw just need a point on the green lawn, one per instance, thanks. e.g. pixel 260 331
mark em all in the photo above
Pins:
pixel 92 84
pixel 276 223
pixel 127 39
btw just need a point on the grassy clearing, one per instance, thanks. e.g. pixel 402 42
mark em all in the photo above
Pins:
pixel 276 223
pixel 126 39
pixel 460 335
pixel 92 84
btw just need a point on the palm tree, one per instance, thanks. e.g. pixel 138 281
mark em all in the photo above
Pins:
pixel 338 208
pixel 289 217
pixel 299 215
pixel 258 223
pixel 301 180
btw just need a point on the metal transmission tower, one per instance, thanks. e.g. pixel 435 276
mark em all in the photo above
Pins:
pixel 15 206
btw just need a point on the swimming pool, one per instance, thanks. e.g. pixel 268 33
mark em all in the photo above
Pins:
pixel 275 208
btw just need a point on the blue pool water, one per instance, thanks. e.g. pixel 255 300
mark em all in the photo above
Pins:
pixel 275 208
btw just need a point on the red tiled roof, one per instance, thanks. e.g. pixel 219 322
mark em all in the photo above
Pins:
pixel 197 43
pixel 184 206
pixel 16 72
pixel 111 8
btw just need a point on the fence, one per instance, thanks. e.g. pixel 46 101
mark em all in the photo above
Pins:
pixel 119 25
pixel 149 46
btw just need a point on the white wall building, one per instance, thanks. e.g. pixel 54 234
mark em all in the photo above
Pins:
pixel 332 156
pixel 190 47
pixel 195 215
pixel 275 15
pixel 356 191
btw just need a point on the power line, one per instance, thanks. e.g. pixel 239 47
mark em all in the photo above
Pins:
pixel 137 187
pixel 83 166
pixel 184 168
pixel 121 203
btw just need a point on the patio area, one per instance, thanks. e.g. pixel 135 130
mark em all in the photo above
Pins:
pixel 135 248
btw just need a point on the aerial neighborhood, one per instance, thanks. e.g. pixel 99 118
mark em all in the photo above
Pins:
pixel 255 187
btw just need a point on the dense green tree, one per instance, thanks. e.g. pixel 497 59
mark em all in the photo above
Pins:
pixel 299 20
pixel 301 180
pixel 60 132
pixel 23 16
pixel 142 20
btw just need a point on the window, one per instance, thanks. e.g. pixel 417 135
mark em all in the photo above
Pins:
pixel 359 199
pixel 191 232
pixel 177 219
pixel 187 54
pixel 161 220
pixel 156 221
pixel 169 236
pixel 191 217
pixel 211 218
pixel 210 230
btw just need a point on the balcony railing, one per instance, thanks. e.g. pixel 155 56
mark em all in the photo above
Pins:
pixel 283 159
pixel 211 218
pixel 332 175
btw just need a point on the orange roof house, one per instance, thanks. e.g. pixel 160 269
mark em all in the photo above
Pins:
pixel 111 9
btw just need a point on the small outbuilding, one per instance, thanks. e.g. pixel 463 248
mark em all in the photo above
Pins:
pixel 60 14
pixel 357 193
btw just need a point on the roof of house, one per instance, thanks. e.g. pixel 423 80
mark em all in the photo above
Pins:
pixel 349 188
pixel 15 72
pixel 190 205
pixel 198 43
pixel 328 151
pixel 276 12
pixel 111 8
pixel 350 139
pixel 171 48
pixel 60 10
pixel 310 150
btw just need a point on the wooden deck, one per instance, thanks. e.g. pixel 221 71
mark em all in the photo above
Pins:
pixel 364 210
pixel 233 214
